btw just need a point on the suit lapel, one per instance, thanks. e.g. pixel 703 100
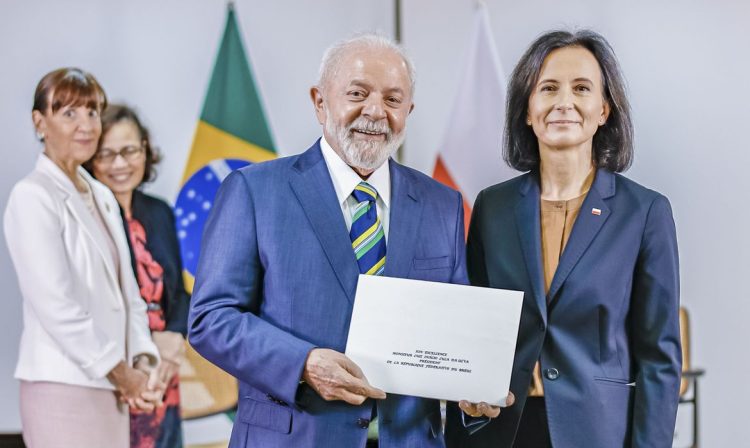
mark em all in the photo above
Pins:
pixel 113 219
pixel 530 234
pixel 80 212
pixel 586 227
pixel 405 216
pixel 312 185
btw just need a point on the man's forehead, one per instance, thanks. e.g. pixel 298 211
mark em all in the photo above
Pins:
pixel 376 61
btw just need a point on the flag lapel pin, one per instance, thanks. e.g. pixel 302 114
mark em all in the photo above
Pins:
pixel 596 211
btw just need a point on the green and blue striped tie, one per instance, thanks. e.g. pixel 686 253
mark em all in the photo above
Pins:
pixel 368 237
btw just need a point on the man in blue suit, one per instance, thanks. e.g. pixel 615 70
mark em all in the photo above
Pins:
pixel 284 246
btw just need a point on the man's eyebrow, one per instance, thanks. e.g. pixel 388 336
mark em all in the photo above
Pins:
pixel 360 83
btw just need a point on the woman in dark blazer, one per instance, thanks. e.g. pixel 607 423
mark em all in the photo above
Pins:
pixel 598 358
pixel 125 160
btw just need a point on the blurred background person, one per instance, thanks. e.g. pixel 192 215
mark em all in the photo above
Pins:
pixel 124 161
pixel 85 325
pixel 598 356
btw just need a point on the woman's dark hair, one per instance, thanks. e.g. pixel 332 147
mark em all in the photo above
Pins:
pixel 612 143
pixel 116 113
pixel 68 86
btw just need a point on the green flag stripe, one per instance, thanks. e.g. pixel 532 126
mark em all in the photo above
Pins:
pixel 232 101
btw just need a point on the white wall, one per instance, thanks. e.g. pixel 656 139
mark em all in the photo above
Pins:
pixel 686 63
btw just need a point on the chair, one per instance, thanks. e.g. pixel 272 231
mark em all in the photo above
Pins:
pixel 690 375
pixel 205 390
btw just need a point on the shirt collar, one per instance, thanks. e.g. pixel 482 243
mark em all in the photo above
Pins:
pixel 345 178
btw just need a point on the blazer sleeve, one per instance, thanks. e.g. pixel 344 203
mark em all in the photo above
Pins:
pixel 655 331
pixel 458 420
pixel 33 229
pixel 139 334
pixel 459 271
pixel 223 325
pixel 179 304
pixel 477 268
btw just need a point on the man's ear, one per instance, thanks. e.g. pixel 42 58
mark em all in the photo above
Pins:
pixel 316 95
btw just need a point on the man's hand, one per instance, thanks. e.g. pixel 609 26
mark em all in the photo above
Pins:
pixel 335 377
pixel 483 409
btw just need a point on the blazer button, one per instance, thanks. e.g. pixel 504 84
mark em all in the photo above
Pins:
pixel 552 374
pixel 541 326
pixel 363 423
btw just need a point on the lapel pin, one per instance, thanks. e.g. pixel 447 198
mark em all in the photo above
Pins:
pixel 596 211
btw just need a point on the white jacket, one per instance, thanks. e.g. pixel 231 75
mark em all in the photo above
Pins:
pixel 79 318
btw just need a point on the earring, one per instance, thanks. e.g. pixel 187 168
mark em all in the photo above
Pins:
pixel 40 136
pixel 528 122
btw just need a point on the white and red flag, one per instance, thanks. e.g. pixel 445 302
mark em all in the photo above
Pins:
pixel 469 158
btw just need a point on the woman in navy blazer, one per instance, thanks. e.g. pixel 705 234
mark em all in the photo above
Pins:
pixel 125 160
pixel 598 359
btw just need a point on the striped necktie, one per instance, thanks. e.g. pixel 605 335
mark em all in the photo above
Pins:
pixel 368 238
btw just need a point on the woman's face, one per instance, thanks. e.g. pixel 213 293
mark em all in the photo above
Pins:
pixel 121 160
pixel 70 133
pixel 567 106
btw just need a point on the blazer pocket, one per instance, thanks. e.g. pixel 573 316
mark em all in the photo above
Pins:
pixel 432 263
pixel 269 415
pixel 617 382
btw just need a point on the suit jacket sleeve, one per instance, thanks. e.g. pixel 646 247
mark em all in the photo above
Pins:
pixel 655 330
pixel 33 229
pixel 223 323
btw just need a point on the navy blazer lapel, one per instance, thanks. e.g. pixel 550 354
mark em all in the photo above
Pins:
pixel 530 234
pixel 313 187
pixel 587 225
pixel 405 216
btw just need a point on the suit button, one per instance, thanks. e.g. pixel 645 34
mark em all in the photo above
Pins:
pixel 552 374
pixel 541 327
pixel 363 423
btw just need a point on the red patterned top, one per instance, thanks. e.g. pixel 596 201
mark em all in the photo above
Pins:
pixel 160 428
pixel 150 276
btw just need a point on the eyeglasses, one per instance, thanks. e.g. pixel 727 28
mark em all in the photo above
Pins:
pixel 129 153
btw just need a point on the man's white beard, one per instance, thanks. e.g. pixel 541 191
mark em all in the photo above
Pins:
pixel 366 155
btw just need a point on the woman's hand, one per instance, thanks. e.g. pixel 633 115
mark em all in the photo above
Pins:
pixel 171 347
pixel 155 388
pixel 130 385
pixel 483 409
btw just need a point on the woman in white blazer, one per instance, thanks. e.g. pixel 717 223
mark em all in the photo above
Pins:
pixel 86 349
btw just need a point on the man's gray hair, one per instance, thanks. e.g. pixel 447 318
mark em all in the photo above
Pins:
pixel 331 61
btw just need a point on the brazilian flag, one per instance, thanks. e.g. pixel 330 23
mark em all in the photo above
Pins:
pixel 232 132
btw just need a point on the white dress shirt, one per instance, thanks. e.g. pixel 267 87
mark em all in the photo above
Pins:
pixel 345 179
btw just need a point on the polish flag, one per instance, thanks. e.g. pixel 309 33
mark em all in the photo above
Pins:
pixel 470 158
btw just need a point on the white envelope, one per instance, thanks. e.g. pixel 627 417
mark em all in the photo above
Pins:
pixel 435 340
